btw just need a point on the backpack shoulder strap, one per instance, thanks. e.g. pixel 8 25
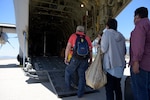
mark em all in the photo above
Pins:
pixel 80 35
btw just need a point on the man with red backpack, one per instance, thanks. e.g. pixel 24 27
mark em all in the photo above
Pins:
pixel 81 50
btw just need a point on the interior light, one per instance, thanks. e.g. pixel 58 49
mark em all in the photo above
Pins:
pixel 82 5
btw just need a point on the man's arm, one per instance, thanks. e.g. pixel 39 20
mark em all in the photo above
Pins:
pixel 68 48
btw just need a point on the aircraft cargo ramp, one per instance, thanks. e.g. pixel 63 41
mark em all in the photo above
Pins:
pixel 53 69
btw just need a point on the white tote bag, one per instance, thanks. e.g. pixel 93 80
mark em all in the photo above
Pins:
pixel 95 76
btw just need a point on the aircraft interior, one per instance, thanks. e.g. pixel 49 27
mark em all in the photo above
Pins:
pixel 51 22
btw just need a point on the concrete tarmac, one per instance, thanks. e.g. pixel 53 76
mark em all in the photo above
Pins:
pixel 14 85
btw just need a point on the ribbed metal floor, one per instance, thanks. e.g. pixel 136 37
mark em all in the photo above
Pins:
pixel 54 69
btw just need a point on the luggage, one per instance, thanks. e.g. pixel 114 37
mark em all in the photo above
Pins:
pixel 127 90
pixel 95 76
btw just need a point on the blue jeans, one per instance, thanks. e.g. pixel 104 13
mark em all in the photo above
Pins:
pixel 113 87
pixel 140 84
pixel 79 65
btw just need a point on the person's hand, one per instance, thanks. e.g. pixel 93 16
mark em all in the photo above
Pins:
pixel 135 67
pixel 66 61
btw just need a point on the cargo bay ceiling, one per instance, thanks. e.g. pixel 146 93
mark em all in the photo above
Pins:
pixel 62 16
